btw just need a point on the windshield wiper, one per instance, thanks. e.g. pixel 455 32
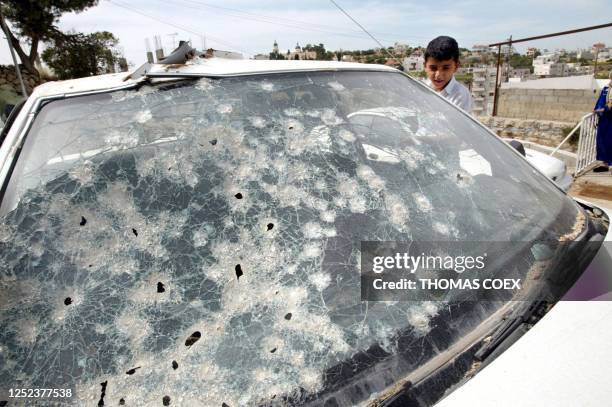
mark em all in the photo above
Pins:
pixel 512 328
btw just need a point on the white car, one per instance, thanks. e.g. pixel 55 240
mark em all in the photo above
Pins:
pixel 193 234
pixel 552 167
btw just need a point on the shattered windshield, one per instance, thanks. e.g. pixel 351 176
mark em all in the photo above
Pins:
pixel 200 240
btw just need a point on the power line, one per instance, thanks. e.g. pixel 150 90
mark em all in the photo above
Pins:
pixel 275 20
pixel 364 30
pixel 180 27
pixel 268 20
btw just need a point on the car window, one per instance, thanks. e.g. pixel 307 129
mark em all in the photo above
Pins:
pixel 205 235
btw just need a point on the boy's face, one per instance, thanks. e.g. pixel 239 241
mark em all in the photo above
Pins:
pixel 440 72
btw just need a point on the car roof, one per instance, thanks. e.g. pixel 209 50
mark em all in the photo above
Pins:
pixel 199 67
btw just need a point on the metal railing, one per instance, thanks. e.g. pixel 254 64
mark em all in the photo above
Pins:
pixel 587 146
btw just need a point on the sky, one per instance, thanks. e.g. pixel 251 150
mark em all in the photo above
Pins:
pixel 252 27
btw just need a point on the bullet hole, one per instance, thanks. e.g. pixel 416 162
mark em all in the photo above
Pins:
pixel 224 405
pixel 174 365
pixel 290 127
pixel 288 316
pixel 459 177
pixel 373 156
pixel 91 265
pixel 160 287
pixel 270 226
pixel 238 195
pixel 102 393
pixel 135 232
pixel 273 350
pixel 193 338
pixel 169 168
pixel 132 371
pixel 213 142
pixel 166 400
pixel 83 221
pixel 121 402
pixel 273 396
pixel 239 272
pixel 68 301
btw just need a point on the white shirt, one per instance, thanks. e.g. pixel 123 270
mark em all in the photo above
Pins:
pixel 457 94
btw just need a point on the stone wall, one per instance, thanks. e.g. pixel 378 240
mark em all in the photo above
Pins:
pixel 567 105
pixel 544 132
pixel 8 78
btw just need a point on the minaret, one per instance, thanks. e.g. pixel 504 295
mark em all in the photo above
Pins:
pixel 275 47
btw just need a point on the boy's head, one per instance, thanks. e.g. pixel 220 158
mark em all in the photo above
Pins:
pixel 441 61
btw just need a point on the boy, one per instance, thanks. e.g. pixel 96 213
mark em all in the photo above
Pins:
pixel 441 63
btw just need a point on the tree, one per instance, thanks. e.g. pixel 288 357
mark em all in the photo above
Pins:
pixel 35 21
pixel 76 55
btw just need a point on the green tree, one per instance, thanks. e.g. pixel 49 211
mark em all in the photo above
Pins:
pixel 35 21
pixel 76 55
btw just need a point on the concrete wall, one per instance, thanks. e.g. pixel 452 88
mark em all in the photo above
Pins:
pixel 544 132
pixel 567 105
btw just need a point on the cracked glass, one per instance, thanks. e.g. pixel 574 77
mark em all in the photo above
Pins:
pixel 199 240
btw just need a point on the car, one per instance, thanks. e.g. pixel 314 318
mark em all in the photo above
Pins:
pixel 198 232
pixel 552 167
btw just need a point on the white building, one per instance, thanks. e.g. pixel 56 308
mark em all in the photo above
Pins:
pixel 399 48
pixel 604 55
pixel 576 68
pixel 483 88
pixel 549 65
pixel 552 69
pixel 479 50
pixel 414 62
pixel 521 73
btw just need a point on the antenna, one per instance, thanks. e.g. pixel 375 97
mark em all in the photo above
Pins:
pixel 173 35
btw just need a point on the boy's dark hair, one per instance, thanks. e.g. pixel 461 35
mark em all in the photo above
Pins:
pixel 442 48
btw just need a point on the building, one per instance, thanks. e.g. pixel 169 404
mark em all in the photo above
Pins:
pixel 261 57
pixel 520 73
pixel 414 62
pixel 531 52
pixel 576 68
pixel 399 48
pixel 300 54
pixel 604 55
pixel 483 88
pixel 480 50
pixel 548 65
pixel 551 69
pixel 585 54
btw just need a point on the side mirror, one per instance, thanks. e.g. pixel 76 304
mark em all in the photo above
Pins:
pixel 518 146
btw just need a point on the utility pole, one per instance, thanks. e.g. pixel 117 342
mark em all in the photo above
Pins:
pixel 17 69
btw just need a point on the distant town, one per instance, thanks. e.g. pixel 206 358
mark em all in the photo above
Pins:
pixel 478 65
